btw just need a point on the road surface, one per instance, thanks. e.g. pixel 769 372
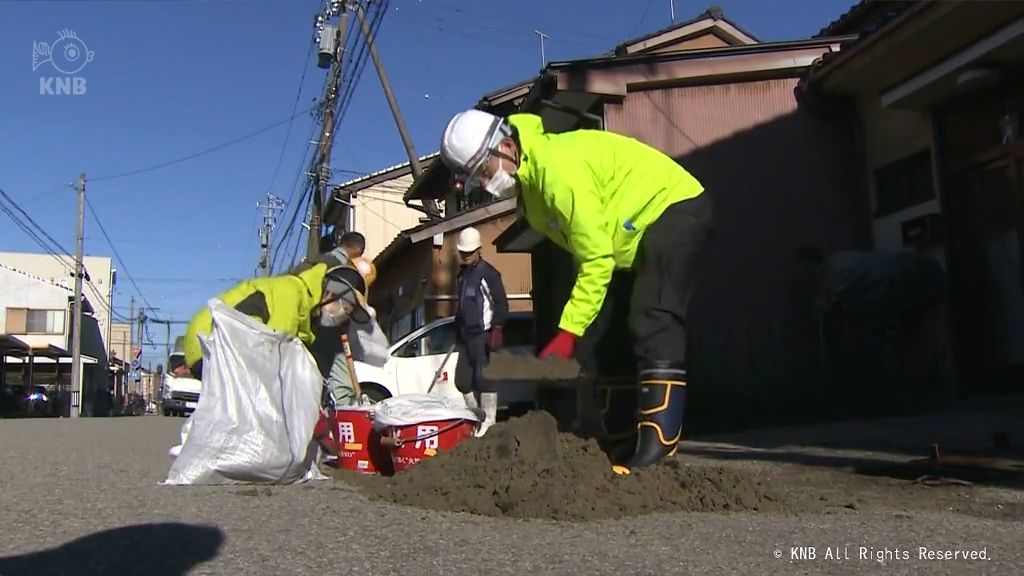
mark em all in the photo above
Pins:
pixel 83 497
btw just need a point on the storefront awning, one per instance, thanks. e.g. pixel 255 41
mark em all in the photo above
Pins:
pixel 46 354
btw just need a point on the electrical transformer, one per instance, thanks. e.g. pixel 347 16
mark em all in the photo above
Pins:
pixel 328 42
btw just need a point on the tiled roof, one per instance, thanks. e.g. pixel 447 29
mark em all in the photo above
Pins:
pixel 383 172
pixel 865 17
pixel 862 21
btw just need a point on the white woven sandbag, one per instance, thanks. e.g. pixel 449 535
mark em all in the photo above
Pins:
pixel 409 409
pixel 259 403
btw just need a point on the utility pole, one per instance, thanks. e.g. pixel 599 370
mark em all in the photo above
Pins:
pixel 270 210
pixel 130 378
pixel 76 342
pixel 131 327
pixel 414 160
pixel 140 330
pixel 332 47
pixel 672 10
pixel 543 60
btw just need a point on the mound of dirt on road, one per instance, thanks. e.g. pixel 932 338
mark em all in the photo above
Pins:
pixel 525 468
pixel 507 366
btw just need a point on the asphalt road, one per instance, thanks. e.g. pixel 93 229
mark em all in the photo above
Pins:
pixel 83 497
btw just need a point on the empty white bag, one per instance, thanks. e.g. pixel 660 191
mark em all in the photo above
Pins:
pixel 259 402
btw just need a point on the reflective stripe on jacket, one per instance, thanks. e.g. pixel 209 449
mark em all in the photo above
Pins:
pixel 594 193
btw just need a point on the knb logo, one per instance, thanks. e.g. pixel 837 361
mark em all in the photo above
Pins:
pixel 68 55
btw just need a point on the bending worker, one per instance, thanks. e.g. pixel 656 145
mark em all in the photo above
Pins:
pixel 288 303
pixel 482 310
pixel 614 203
pixel 354 245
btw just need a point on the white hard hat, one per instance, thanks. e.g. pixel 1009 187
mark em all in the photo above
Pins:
pixel 467 139
pixel 469 240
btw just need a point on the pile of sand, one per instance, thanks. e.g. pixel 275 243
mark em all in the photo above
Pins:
pixel 525 468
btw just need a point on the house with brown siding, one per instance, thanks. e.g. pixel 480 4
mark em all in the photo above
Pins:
pixel 937 94
pixel 783 175
pixel 416 273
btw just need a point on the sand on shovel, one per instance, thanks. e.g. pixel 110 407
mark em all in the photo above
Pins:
pixel 508 366
pixel 525 468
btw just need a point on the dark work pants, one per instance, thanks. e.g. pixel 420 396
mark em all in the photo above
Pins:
pixel 643 318
pixel 665 268
pixel 474 352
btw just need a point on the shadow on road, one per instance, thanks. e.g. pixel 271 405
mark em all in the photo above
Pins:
pixel 1003 469
pixel 169 549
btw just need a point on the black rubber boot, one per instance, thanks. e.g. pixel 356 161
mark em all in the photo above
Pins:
pixel 617 399
pixel 662 405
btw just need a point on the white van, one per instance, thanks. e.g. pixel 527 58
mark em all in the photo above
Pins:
pixel 179 395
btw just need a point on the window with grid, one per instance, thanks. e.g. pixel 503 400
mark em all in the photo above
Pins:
pixel 904 183
pixel 28 321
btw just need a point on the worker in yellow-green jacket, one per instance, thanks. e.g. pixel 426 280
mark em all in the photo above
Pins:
pixel 330 292
pixel 614 203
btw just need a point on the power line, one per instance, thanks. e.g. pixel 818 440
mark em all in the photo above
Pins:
pixel 643 16
pixel 379 215
pixel 295 105
pixel 204 152
pixel 375 23
pixel 48 249
pixel 32 234
pixel 117 255
pixel 185 279
pixel 56 244
pixel 356 55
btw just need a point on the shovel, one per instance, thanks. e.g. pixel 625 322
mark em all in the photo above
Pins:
pixel 440 369
pixel 357 392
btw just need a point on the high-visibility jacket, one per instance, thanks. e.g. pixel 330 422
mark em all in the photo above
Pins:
pixel 594 193
pixel 282 302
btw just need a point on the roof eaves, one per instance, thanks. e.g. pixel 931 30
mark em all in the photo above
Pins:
pixel 854 44
pixel 392 250
pixel 658 57
pixel 399 170
pixel 506 93
pixel 468 218
pixel 713 16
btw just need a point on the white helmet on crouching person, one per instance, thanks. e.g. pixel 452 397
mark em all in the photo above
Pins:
pixel 479 146
pixel 344 299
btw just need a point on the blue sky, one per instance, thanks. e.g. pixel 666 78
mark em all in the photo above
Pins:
pixel 171 78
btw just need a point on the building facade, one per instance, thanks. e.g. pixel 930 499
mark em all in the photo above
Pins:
pixel 98 286
pixel 39 312
pixel 937 92
pixel 417 272
pixel 372 205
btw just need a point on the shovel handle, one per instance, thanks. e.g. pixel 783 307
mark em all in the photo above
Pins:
pixel 357 391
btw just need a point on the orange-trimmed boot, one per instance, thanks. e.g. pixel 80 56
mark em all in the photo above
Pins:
pixel 662 404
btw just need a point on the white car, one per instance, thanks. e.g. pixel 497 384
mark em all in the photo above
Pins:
pixel 415 358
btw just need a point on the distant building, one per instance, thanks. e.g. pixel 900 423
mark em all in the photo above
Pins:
pixel 372 205
pixel 36 320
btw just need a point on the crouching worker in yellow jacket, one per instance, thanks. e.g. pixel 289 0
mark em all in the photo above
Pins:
pixel 614 203
pixel 288 303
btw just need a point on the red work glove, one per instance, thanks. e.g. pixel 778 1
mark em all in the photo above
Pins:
pixel 496 338
pixel 561 345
